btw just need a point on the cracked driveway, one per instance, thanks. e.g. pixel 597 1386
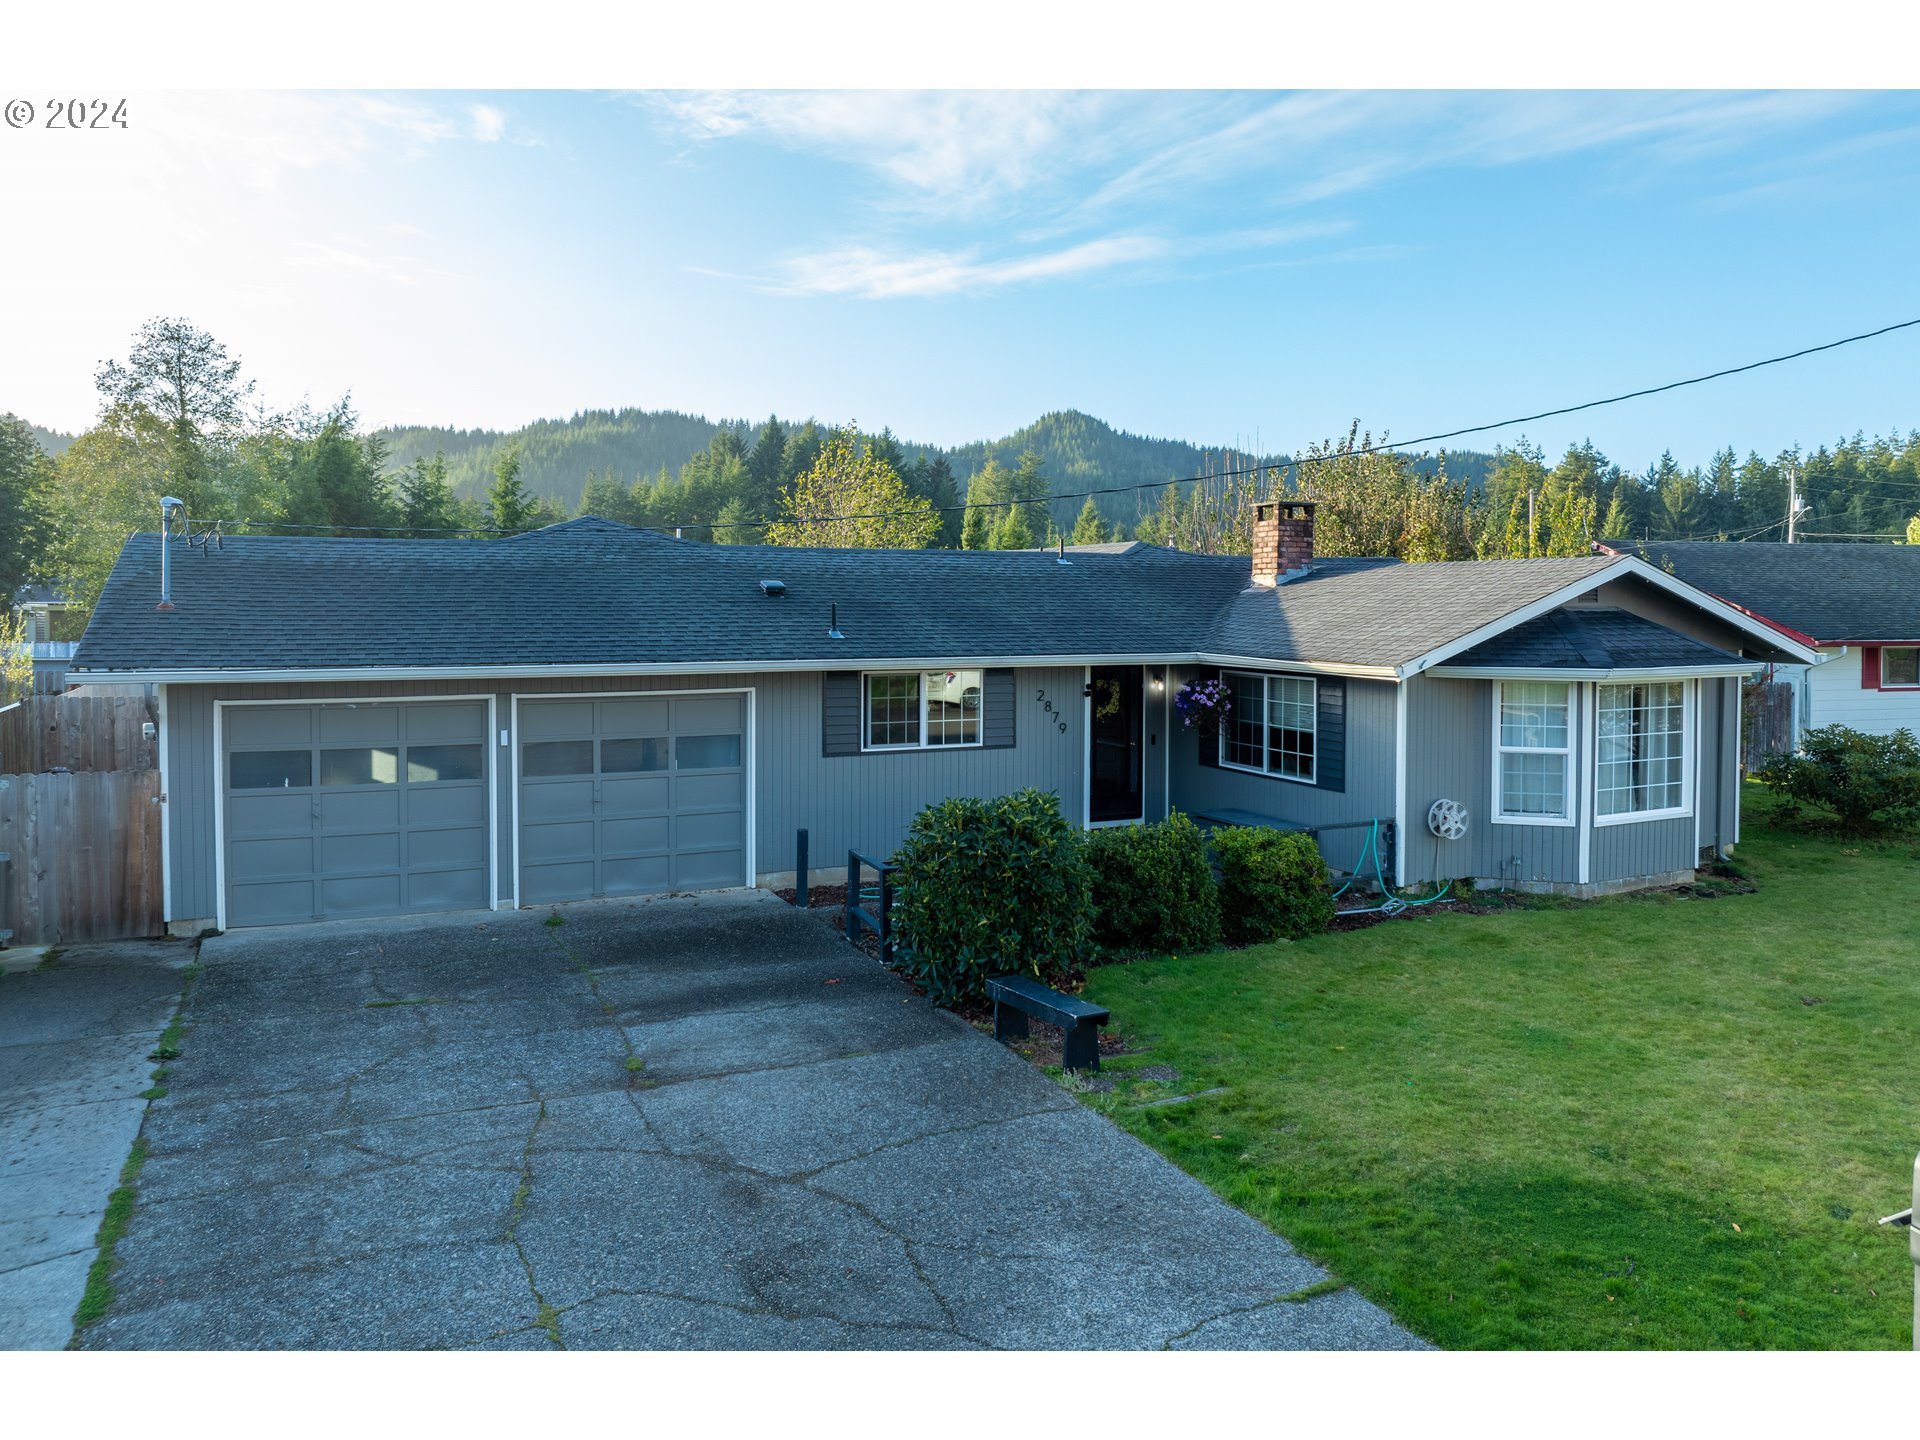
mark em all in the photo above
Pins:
pixel 697 1122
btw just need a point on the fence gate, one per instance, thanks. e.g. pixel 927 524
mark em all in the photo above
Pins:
pixel 1767 723
pixel 83 856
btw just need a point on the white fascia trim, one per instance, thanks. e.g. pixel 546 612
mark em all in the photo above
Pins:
pixel 323 675
pixel 1542 672
pixel 1270 666
pixel 1624 566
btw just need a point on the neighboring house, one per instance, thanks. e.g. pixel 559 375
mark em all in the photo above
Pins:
pixel 41 611
pixel 1856 606
pixel 370 727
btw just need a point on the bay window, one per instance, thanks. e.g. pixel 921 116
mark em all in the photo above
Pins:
pixel 1642 750
pixel 1533 752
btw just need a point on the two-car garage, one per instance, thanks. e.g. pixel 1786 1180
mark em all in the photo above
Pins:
pixel 382 807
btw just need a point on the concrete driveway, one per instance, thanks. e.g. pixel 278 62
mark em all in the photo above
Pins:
pixel 690 1122
pixel 74 1039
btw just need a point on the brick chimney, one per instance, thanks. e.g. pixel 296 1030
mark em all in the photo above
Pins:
pixel 1282 540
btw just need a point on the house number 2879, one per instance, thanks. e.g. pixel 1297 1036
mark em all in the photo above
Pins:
pixel 1047 705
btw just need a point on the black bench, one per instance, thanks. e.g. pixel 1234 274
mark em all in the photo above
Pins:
pixel 1015 997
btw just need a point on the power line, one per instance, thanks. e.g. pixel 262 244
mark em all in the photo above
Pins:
pixel 1298 463
pixel 1295 464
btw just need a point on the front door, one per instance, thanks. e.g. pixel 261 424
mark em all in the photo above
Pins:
pixel 1115 788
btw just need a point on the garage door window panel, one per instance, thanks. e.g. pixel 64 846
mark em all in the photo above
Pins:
pixel 359 766
pixel 707 752
pixel 557 757
pixel 270 769
pixel 633 756
pixel 435 764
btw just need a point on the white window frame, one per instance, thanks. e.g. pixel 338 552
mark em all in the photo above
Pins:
pixel 1689 748
pixel 1886 684
pixel 1266 677
pixel 1501 816
pixel 866 712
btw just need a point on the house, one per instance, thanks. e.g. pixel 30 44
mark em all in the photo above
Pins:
pixel 1856 606
pixel 48 620
pixel 372 727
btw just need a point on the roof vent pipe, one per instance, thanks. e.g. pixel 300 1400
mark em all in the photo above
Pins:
pixel 833 623
pixel 1063 560
pixel 170 510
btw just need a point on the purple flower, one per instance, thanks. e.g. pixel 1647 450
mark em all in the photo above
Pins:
pixel 1202 702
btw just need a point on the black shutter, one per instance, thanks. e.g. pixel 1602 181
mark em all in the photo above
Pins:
pixel 840 713
pixel 1330 739
pixel 996 705
pixel 1207 740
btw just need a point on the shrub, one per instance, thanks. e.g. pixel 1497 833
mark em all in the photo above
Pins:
pixel 991 887
pixel 1272 883
pixel 1867 781
pixel 1153 888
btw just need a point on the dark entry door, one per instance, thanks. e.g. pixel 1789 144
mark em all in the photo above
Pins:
pixel 1115 787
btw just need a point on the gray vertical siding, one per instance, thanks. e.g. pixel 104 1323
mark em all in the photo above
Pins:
pixel 1450 753
pixel 1642 849
pixel 1368 780
pixel 1450 757
pixel 855 801
pixel 867 801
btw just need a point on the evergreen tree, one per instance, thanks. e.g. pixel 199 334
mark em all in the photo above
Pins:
pixel 425 497
pixel 509 506
pixel 1162 525
pixel 336 479
pixel 944 496
pixel 1015 531
pixel 1618 525
pixel 1091 527
pixel 764 463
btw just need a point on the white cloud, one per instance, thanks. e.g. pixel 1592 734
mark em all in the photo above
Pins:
pixel 489 122
pixel 867 273
pixel 946 151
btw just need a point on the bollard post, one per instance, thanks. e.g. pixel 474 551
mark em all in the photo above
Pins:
pixel 800 887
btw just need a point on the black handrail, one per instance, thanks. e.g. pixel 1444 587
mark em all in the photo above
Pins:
pixel 856 915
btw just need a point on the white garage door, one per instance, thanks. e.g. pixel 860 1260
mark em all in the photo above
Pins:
pixel 350 810
pixel 632 795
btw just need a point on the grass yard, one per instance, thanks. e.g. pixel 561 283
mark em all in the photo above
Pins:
pixel 1639 1122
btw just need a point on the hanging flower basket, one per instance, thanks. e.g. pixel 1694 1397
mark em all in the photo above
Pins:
pixel 1203 704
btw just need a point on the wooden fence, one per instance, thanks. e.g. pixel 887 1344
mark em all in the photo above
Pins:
pixel 84 856
pixel 92 733
pixel 1767 727
pixel 82 846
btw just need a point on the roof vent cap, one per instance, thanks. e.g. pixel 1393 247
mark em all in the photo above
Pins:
pixel 773 587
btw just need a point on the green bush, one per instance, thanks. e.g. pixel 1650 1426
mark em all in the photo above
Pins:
pixel 1867 781
pixel 1272 883
pixel 1153 888
pixel 991 887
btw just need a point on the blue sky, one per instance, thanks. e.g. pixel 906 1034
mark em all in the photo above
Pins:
pixel 1207 265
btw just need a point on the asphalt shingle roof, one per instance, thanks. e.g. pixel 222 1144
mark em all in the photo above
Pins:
pixel 591 592
pixel 1590 638
pixel 1386 614
pixel 1837 594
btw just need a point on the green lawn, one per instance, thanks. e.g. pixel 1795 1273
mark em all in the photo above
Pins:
pixel 1656 1121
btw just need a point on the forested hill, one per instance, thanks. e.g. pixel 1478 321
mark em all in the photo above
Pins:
pixel 1077 452
pixel 557 455
pixel 51 441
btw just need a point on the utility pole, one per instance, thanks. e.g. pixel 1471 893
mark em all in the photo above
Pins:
pixel 1793 504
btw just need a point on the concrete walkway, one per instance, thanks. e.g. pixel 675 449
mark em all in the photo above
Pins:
pixel 696 1122
pixel 74 1040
